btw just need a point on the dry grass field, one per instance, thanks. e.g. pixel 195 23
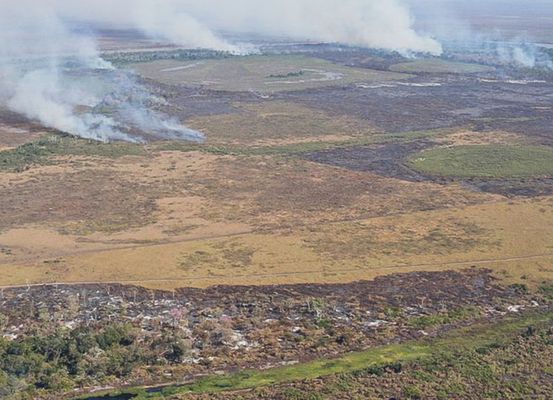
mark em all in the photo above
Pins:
pixel 267 199
pixel 278 123
pixel 512 238
pixel 194 218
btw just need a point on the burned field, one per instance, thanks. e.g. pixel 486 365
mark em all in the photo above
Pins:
pixel 320 216
pixel 186 334
pixel 488 108
pixel 393 296
pixel 478 166
pixel 385 159
pixel 439 102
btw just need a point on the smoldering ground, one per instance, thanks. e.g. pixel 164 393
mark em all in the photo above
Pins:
pixel 51 73
pixel 54 75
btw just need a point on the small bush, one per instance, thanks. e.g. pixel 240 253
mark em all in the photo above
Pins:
pixel 413 392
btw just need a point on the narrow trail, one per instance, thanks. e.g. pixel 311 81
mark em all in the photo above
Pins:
pixel 135 245
pixel 452 264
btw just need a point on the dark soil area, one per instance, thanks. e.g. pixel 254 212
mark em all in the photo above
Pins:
pixel 349 56
pixel 458 101
pixel 383 159
pixel 390 160
pixel 187 102
pixel 523 188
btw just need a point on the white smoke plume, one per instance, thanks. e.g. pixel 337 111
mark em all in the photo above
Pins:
pixel 524 54
pixel 385 24
pixel 506 30
pixel 50 73
pixel 56 76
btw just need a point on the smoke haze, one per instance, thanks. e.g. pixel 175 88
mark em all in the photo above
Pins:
pixel 371 23
pixel 507 30
pixel 56 76
pixel 50 73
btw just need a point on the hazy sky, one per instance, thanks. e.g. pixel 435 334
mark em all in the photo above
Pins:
pixel 481 8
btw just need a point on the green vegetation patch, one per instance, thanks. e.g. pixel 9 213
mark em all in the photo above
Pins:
pixel 124 58
pixel 43 150
pixel 261 73
pixel 486 161
pixel 438 66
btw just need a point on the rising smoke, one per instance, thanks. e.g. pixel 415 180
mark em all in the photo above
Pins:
pixel 523 54
pixel 385 24
pixel 505 30
pixel 50 73
pixel 56 76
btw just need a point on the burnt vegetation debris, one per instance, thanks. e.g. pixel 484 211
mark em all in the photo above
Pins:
pixel 56 338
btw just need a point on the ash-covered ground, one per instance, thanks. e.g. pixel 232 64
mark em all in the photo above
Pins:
pixel 430 95
pixel 225 328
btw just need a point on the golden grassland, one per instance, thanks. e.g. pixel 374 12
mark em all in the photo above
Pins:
pixel 170 218
pixel 515 239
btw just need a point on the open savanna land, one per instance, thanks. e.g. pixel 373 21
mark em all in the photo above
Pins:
pixel 278 123
pixel 511 238
pixel 343 231
pixel 331 209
